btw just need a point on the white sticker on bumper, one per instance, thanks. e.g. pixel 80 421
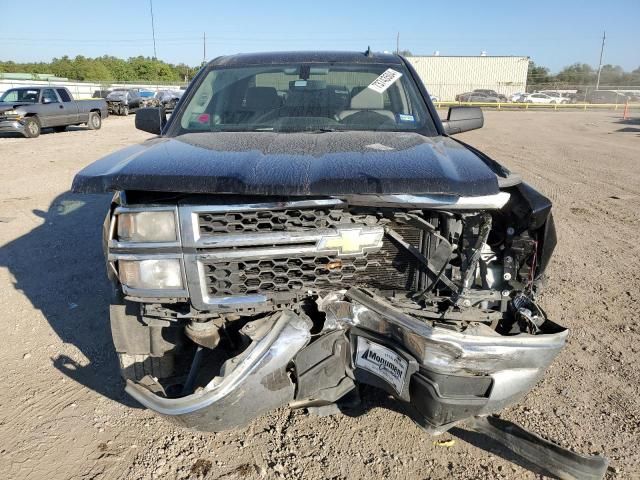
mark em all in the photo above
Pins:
pixel 383 362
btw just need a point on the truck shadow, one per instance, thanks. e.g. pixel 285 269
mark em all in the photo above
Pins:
pixel 59 267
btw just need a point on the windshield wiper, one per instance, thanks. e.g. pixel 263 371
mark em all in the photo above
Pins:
pixel 313 130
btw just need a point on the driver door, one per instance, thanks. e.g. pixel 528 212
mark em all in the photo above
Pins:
pixel 52 112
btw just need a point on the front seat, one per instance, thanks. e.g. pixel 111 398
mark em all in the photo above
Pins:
pixel 260 101
pixel 366 106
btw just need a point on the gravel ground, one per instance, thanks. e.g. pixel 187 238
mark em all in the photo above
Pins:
pixel 64 414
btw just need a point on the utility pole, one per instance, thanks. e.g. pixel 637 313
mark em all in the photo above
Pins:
pixel 153 30
pixel 604 36
pixel 204 48
pixel 398 44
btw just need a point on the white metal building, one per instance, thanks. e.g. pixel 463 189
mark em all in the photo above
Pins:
pixel 446 76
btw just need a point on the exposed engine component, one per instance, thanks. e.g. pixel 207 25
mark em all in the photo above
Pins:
pixel 205 334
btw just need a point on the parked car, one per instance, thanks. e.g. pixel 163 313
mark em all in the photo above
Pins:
pixel 122 101
pixel 543 98
pixel 559 97
pixel 169 98
pixel 480 97
pixel 254 265
pixel 27 110
pixel 517 97
pixel 148 98
pixel 491 93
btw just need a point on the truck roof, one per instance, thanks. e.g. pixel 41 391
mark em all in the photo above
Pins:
pixel 267 58
pixel 37 87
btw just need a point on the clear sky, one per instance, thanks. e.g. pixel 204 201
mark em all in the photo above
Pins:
pixel 552 33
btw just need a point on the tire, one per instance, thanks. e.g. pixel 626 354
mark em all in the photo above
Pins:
pixel 32 127
pixel 94 122
pixel 60 128
pixel 125 110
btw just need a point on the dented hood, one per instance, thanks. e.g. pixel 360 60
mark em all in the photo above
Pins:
pixel 267 163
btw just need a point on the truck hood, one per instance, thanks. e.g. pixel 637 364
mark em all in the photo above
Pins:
pixel 6 106
pixel 267 163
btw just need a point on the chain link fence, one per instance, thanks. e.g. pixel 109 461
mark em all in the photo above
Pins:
pixel 563 94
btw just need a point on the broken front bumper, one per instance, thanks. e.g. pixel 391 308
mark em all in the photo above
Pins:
pixel 460 374
pixel 255 382
pixel 11 126
pixel 449 375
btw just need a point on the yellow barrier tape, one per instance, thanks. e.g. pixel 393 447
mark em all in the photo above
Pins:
pixel 555 106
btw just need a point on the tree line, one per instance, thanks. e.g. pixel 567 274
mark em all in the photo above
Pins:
pixel 582 74
pixel 106 68
pixel 112 69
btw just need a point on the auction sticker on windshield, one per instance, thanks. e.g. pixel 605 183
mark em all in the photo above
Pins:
pixel 383 362
pixel 384 81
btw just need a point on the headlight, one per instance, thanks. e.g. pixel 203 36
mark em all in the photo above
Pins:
pixel 13 115
pixel 350 241
pixel 161 274
pixel 147 227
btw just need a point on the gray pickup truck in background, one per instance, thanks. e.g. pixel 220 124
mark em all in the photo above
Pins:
pixel 27 110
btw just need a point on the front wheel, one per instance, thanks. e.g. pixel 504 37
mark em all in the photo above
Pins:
pixel 125 110
pixel 32 127
pixel 94 122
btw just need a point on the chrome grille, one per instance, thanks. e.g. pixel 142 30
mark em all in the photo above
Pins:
pixel 272 220
pixel 390 268
pixel 286 274
pixel 246 254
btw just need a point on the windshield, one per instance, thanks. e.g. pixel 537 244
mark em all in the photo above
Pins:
pixel 20 95
pixel 303 97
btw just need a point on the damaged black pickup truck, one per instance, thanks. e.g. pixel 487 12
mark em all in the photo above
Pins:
pixel 304 224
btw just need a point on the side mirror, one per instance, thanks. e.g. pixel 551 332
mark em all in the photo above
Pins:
pixel 463 119
pixel 151 119
pixel 46 101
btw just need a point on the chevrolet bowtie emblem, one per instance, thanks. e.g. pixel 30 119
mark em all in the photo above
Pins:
pixel 352 241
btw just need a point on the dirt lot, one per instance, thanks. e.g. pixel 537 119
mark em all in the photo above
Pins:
pixel 63 413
